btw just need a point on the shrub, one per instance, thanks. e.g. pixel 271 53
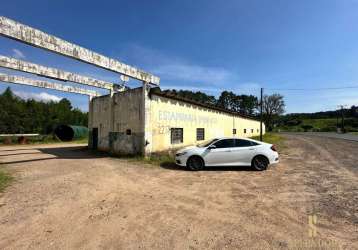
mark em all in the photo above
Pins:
pixel 307 127
pixel 328 129
pixel 5 180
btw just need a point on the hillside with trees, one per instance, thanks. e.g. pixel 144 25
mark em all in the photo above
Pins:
pixel 30 116
pixel 327 121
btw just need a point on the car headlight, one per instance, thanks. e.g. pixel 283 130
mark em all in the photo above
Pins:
pixel 180 154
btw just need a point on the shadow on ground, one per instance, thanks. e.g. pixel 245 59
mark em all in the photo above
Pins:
pixel 172 166
pixel 75 152
pixel 82 152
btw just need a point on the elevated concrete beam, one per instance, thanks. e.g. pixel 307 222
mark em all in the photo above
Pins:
pixel 15 64
pixel 23 33
pixel 46 85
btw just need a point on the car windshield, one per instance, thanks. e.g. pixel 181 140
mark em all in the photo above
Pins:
pixel 206 143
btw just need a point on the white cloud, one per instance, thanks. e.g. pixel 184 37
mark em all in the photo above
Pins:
pixel 179 73
pixel 18 54
pixel 45 97
pixel 175 69
pixel 188 72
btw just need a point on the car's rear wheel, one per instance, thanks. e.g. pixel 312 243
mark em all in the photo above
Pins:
pixel 260 163
pixel 195 163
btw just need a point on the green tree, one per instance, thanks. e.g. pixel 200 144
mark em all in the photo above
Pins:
pixel 31 116
pixel 230 101
pixel 248 104
pixel 244 104
pixel 195 96
pixel 273 107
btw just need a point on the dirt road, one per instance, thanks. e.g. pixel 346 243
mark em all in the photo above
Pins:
pixel 64 197
pixel 347 136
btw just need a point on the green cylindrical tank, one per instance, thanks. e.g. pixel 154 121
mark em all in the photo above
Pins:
pixel 70 132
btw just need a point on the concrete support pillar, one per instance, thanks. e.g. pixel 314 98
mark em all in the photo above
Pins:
pixel 146 121
pixel 90 121
pixel 111 112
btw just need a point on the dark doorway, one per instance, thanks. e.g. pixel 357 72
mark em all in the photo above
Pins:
pixel 94 138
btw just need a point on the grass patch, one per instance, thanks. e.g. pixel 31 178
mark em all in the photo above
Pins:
pixel 40 139
pixel 5 179
pixel 318 125
pixel 273 138
pixel 354 133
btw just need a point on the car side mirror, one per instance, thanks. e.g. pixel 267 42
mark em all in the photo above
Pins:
pixel 211 147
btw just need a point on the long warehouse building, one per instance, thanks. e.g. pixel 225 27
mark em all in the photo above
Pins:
pixel 147 120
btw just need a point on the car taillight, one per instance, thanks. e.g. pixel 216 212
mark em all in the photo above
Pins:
pixel 273 148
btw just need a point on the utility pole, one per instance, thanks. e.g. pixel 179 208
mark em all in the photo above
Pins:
pixel 337 125
pixel 342 118
pixel 261 110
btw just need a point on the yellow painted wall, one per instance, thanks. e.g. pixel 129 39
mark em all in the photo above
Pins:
pixel 167 113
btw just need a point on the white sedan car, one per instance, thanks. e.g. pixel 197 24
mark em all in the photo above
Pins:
pixel 228 152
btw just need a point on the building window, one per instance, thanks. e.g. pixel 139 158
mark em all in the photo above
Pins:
pixel 234 131
pixel 128 132
pixel 258 130
pixel 244 130
pixel 176 135
pixel 200 134
pixel 252 130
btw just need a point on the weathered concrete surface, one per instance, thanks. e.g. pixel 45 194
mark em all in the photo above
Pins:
pixel 47 85
pixel 23 33
pixel 28 67
pixel 147 121
pixel 99 118
pixel 122 144
pixel 119 113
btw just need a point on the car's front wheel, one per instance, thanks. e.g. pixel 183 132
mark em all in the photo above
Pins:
pixel 260 163
pixel 195 163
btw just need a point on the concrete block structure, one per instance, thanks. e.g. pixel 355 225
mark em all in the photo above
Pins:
pixel 146 120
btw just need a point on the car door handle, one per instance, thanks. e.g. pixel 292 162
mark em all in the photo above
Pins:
pixel 251 149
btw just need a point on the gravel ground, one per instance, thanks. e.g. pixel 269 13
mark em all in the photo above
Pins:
pixel 67 198
pixel 347 136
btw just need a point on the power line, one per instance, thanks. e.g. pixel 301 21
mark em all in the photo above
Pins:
pixel 313 89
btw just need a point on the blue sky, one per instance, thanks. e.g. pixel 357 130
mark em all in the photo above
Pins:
pixel 205 45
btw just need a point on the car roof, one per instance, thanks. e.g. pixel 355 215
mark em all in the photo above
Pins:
pixel 241 138
pixel 228 137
